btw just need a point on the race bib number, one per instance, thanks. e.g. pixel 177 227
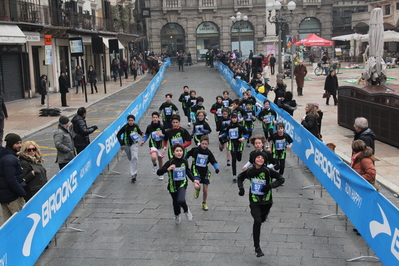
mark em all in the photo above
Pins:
pixel 198 129
pixel 193 102
pixel 168 111
pixel 225 123
pixel 186 97
pixel 249 117
pixel 219 112
pixel 179 173
pixel 233 133
pixel 268 119
pixel 226 103
pixel 177 140
pixel 202 160
pixel 257 185
pixel 155 135
pixel 134 136
pixel 280 144
pixel 239 116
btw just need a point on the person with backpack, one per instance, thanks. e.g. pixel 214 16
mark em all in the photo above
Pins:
pixel 63 141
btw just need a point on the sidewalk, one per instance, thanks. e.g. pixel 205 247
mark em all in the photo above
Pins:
pixel 23 115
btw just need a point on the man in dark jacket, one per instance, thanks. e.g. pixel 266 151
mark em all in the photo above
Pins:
pixel 63 84
pixel 363 132
pixel 63 143
pixel 272 61
pixel 3 115
pixel 11 178
pixel 81 130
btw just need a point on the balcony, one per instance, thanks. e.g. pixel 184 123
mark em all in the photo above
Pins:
pixel 207 5
pixel 238 4
pixel 171 5
pixel 20 11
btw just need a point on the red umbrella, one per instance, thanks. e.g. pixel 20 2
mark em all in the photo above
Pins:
pixel 314 40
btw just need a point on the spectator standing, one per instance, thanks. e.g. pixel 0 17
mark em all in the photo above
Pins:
pixel 63 84
pixel 3 115
pixel 78 78
pixel 363 132
pixel 11 179
pixel 287 103
pixel 331 86
pixel 180 61
pixel 279 90
pixel 363 162
pixel 325 63
pixel 64 143
pixel 35 175
pixel 272 63
pixel 320 117
pixel 300 72
pixel 43 88
pixel 92 75
pixel 309 121
pixel 115 69
pixel 81 140
pixel 266 74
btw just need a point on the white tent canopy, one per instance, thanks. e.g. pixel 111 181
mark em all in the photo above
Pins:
pixel 389 36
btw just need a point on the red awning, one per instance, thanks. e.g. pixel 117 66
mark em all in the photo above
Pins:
pixel 314 40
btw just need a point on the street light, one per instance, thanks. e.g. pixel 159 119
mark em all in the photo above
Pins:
pixel 241 23
pixel 280 20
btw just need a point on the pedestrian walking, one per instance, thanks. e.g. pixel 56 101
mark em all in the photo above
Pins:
pixel 115 69
pixel 63 141
pixel 180 61
pixel 12 185
pixel 125 67
pixel 134 66
pixel 178 170
pixel 43 88
pixel 331 87
pixel 272 63
pixel 33 171
pixel 300 72
pixel 129 137
pixel 3 115
pixel 260 195
pixel 92 76
pixel 78 78
pixel 63 85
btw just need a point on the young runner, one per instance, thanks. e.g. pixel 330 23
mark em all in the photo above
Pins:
pixel 268 117
pixel 280 142
pixel 185 104
pixel 175 135
pixel 167 109
pixel 178 171
pixel 200 127
pixel 221 127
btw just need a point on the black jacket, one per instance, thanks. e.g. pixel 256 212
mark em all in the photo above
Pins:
pixel 368 136
pixel 310 123
pixel 62 82
pixel 331 84
pixel 33 182
pixel 92 75
pixel 11 179
pixel 82 132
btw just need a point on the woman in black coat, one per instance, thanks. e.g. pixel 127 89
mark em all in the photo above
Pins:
pixel 310 120
pixel 331 86
pixel 92 75
pixel 279 90
pixel 43 88
pixel 34 174
pixel 63 84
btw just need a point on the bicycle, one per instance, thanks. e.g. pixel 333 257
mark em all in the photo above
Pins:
pixel 319 70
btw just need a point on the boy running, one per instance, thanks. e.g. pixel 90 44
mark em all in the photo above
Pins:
pixel 155 132
pixel 199 167
pixel 175 135
pixel 167 109
pixel 200 127
pixel 268 117
pixel 185 104
pixel 280 142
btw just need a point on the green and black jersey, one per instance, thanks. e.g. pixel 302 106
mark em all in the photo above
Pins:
pixel 131 135
pixel 173 136
pixel 200 160
pixel 155 133
pixel 177 177
pixel 257 179
pixel 279 145
pixel 167 110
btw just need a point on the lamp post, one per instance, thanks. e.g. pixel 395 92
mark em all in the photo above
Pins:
pixel 280 20
pixel 241 24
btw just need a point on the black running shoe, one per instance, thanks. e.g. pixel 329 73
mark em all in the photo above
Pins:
pixel 259 252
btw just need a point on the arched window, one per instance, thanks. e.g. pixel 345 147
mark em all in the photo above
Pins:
pixel 207 38
pixel 308 26
pixel 242 34
pixel 172 38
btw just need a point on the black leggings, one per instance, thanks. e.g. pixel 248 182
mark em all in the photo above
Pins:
pixel 43 97
pixel 259 212
pixel 235 156
pixel 179 200
pixel 280 165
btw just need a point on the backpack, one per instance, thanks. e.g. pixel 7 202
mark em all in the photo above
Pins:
pixel 71 131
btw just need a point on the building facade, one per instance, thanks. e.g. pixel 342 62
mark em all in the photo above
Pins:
pixel 24 55
pixel 195 26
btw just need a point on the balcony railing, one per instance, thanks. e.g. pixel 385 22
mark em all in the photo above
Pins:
pixel 20 11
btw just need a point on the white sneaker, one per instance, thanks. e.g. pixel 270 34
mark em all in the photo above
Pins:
pixel 154 169
pixel 189 124
pixel 160 177
pixel 189 215
pixel 177 219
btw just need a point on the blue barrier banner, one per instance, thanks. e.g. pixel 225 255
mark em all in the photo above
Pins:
pixel 375 217
pixel 25 236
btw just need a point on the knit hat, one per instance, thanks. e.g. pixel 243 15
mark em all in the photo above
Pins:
pixel 260 153
pixel 11 139
pixel 63 120
pixel 233 115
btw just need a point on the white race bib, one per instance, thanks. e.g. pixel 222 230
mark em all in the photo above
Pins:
pixel 257 185
pixel 179 173
pixel 202 160
pixel 134 136
pixel 177 140
pixel 233 133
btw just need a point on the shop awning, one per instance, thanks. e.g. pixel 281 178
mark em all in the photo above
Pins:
pixel 11 34
pixel 105 41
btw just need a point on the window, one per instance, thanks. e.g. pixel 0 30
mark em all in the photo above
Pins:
pixel 243 2
pixel 397 6
pixel 387 10
pixel 172 3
